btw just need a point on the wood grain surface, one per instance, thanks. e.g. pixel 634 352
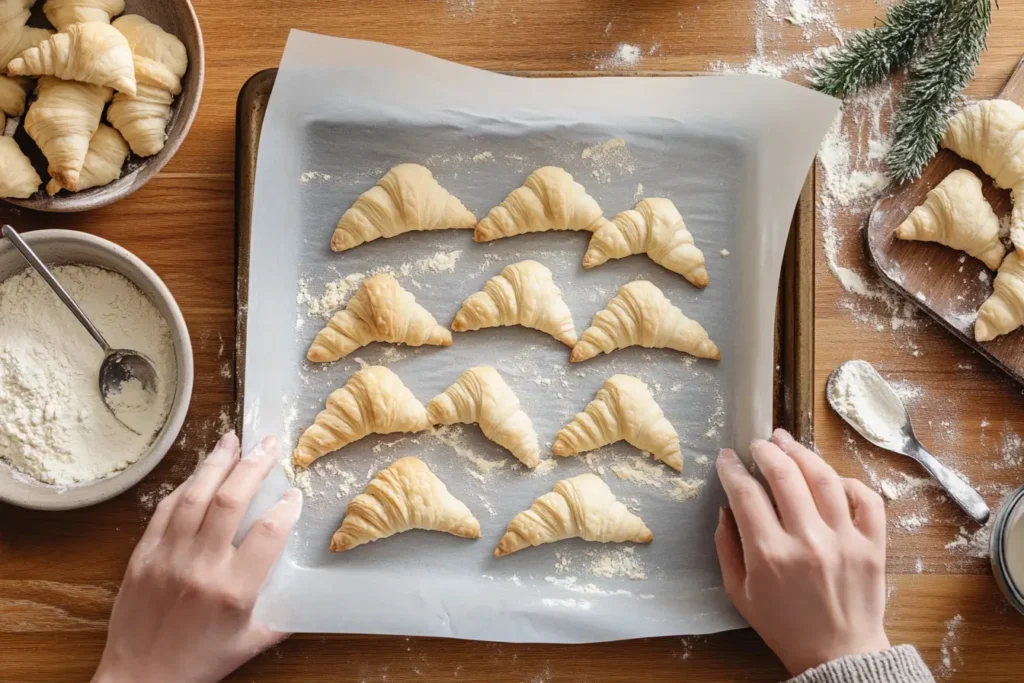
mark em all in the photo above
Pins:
pixel 939 280
pixel 59 571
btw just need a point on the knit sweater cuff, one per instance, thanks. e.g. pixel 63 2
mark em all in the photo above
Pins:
pixel 896 665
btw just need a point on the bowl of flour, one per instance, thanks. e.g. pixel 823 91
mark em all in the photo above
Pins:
pixel 60 446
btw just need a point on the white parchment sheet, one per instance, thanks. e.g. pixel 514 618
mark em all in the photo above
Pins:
pixel 731 152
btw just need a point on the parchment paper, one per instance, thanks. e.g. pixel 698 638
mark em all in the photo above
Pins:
pixel 731 152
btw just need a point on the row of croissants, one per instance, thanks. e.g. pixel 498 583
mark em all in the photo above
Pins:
pixel 132 64
pixel 408 198
pixel 955 213
pixel 407 495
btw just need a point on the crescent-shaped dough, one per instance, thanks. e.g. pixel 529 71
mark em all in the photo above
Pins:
pixel 623 409
pixel 13 93
pixel 17 177
pixel 581 507
pixel 991 134
pixel 94 53
pixel 407 198
pixel 15 36
pixel 654 228
pixel 481 395
pixel 62 121
pixel 380 311
pixel 956 214
pixel 406 495
pixel 549 200
pixel 373 401
pixel 160 63
pixel 640 315
pixel 523 294
pixel 63 13
pixel 107 152
pixel 1003 312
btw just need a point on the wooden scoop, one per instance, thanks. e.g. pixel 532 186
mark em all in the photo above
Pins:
pixel 952 288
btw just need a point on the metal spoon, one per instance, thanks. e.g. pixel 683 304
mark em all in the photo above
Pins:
pixel 119 365
pixel 906 441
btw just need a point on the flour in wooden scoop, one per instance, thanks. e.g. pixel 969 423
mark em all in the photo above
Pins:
pixel 54 426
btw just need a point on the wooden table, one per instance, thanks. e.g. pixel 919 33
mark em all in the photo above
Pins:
pixel 59 571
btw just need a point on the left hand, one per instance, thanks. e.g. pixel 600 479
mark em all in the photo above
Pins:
pixel 184 611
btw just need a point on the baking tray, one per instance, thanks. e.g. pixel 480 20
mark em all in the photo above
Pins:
pixel 794 319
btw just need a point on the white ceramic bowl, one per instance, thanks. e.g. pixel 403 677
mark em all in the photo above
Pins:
pixel 58 247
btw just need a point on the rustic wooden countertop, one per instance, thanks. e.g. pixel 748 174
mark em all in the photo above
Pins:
pixel 59 571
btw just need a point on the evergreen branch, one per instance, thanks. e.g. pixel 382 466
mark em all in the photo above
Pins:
pixel 934 84
pixel 869 56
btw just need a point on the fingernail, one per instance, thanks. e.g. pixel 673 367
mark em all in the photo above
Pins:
pixel 224 450
pixel 726 454
pixel 293 495
pixel 269 442
pixel 226 438
pixel 757 442
pixel 781 436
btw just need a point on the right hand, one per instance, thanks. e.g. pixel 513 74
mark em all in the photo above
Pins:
pixel 809 577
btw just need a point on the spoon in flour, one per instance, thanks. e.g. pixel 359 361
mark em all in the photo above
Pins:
pixel 127 379
pixel 867 403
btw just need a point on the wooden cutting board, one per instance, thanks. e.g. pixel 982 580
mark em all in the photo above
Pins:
pixel 945 283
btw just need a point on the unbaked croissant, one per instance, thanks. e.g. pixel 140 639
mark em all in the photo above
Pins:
pixel 17 177
pixel 654 228
pixel 640 315
pixel 13 92
pixel 583 507
pixel 380 311
pixel 549 200
pixel 1003 312
pixel 523 294
pixel 956 214
pixel 407 198
pixel 64 13
pixel 62 121
pixel 623 409
pixel 88 53
pixel 160 63
pixel 406 495
pixel 373 401
pixel 15 36
pixel 991 134
pixel 107 152
pixel 481 395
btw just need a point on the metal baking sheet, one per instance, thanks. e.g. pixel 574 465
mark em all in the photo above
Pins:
pixel 735 178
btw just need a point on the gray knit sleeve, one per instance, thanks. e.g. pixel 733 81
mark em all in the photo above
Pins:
pixel 896 665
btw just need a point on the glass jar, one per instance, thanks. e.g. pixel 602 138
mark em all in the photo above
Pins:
pixel 1008 549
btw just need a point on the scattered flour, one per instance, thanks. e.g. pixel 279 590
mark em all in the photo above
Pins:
pixel 950 649
pixel 725 253
pixel 483 156
pixel 335 295
pixel 545 466
pixel 625 56
pixel 860 394
pixel 453 437
pixel 608 157
pixel 975 544
pixel 645 471
pixel 309 176
pixel 618 563
pixel 911 523
pixel 566 603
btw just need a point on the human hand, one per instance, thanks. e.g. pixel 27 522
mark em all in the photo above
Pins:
pixel 184 611
pixel 810 578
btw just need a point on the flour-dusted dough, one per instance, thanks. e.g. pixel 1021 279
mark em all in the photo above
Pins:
pixel 160 63
pixel 991 134
pixel 88 53
pixel 382 310
pixel 15 36
pixel 654 228
pixel 583 507
pixel 1003 312
pixel 63 13
pixel 523 294
pixel 640 315
pixel 107 152
pixel 407 198
pixel 17 177
pixel 373 401
pixel 549 200
pixel 623 409
pixel 481 395
pixel 62 121
pixel 956 214
pixel 406 495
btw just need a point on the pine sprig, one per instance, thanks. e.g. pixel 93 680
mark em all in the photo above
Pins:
pixel 872 55
pixel 934 84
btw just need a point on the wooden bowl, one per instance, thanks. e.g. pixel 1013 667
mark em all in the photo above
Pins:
pixel 174 16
